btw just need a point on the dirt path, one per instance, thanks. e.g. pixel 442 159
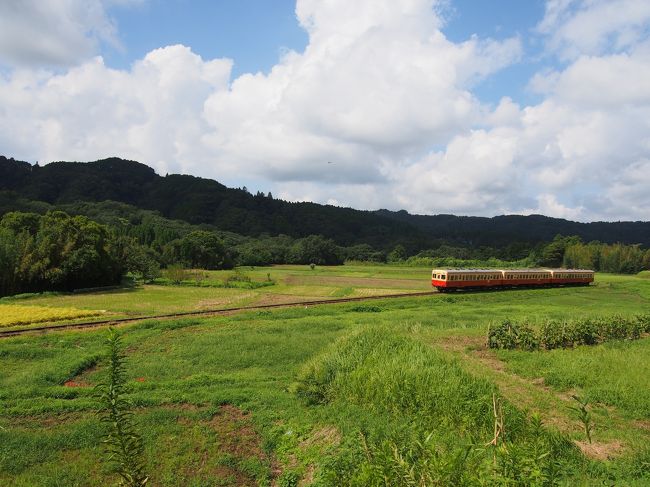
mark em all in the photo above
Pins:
pixel 535 396
pixel 385 283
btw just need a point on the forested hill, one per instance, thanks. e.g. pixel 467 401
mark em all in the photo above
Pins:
pixel 501 230
pixel 197 200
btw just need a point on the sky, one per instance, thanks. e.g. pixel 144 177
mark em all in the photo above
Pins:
pixel 467 107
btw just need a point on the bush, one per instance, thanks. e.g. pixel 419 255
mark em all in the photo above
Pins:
pixel 566 334
pixel 237 276
pixel 509 335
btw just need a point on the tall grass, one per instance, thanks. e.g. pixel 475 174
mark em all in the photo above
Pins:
pixel 447 439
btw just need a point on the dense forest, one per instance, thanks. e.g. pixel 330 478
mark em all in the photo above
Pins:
pixel 66 226
pixel 204 201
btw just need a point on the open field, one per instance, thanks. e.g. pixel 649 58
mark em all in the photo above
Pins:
pixel 342 394
pixel 291 284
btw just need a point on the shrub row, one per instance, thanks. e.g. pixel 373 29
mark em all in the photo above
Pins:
pixel 566 334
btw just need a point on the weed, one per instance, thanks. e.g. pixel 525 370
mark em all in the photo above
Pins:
pixel 583 414
pixel 122 444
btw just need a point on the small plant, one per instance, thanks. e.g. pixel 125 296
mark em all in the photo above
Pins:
pixel 527 338
pixel 583 414
pixel 199 276
pixel 497 410
pixel 122 444
pixel 312 266
pixel 238 275
pixel 177 274
pixel 553 335
pixel 503 335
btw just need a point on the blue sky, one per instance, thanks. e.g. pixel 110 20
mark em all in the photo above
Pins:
pixel 434 106
pixel 254 33
pixel 251 32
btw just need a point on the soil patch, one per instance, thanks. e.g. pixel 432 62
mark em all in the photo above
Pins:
pixel 75 383
pixel 272 298
pixel 236 430
pixel 326 436
pixel 359 282
pixel 237 439
pixel 223 302
pixel 601 451
pixel 82 378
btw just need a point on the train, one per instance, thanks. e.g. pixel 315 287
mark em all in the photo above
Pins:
pixel 445 280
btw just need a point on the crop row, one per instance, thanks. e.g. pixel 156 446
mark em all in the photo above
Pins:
pixel 566 334
pixel 11 315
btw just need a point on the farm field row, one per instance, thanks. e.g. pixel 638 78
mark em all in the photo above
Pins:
pixel 291 284
pixel 327 395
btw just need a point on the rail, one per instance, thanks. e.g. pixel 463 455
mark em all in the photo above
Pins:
pixel 210 312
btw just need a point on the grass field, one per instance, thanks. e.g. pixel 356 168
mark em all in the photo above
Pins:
pixel 291 283
pixel 345 394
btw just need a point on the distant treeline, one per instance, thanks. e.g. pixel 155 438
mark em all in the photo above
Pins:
pixel 200 201
pixel 76 225
pixel 67 250
pixel 617 258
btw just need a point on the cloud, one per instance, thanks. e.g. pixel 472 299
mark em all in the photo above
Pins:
pixel 594 27
pixel 54 32
pixel 378 111
pixel 151 113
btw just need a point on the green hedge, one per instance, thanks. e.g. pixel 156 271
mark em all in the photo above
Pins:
pixel 566 334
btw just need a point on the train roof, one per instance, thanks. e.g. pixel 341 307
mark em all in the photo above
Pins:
pixel 486 271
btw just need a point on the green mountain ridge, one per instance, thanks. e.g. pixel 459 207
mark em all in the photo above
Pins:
pixel 204 201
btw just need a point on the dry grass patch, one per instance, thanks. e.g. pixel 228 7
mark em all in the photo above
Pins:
pixel 601 451
pixel 412 284
pixel 13 314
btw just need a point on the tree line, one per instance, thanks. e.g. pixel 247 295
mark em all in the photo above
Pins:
pixel 199 201
pixel 60 251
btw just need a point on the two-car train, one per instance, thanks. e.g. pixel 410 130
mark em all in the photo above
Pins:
pixel 455 279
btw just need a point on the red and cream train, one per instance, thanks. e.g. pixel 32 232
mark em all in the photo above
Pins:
pixel 454 279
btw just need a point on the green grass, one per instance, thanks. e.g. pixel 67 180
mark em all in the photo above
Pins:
pixel 289 284
pixel 182 372
pixel 301 283
pixel 596 371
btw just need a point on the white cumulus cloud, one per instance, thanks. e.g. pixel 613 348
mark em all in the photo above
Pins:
pixel 54 32
pixel 378 111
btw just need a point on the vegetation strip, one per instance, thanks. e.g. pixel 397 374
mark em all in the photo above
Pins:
pixel 567 334
pixel 93 324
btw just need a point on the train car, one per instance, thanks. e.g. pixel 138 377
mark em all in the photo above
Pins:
pixel 456 279
pixel 453 279
pixel 574 277
pixel 527 277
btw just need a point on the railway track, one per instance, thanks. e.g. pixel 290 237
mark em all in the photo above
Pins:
pixel 210 312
